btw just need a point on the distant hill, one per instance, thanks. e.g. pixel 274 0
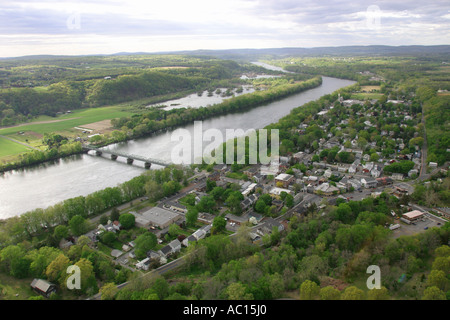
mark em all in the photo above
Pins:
pixel 325 51
pixel 250 54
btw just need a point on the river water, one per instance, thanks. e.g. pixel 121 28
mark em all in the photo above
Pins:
pixel 47 184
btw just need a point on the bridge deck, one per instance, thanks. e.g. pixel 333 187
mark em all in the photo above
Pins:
pixel 129 156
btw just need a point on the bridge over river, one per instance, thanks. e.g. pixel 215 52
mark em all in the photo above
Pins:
pixel 130 157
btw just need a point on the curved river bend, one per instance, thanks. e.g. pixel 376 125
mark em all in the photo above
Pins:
pixel 50 183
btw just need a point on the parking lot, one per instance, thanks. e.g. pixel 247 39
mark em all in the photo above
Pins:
pixel 420 225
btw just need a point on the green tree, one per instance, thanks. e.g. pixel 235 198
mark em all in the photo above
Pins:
pixel 60 232
pixel 109 291
pixel 218 225
pixel 329 293
pixel 378 294
pixel 309 290
pixel 144 243
pixel 352 293
pixel 433 293
pixel 78 225
pixel 238 291
pixel 174 230
pixel 437 278
pixel 191 216
pixel 108 238
pixel 127 220
pixel 57 268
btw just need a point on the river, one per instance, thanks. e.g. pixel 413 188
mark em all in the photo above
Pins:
pixel 47 184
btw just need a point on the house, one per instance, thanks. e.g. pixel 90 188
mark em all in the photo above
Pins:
pixel 247 188
pixel 432 164
pixel 383 181
pixel 214 176
pixel 152 255
pixel 173 247
pixel 249 201
pixel 251 172
pixel 276 192
pixel 355 184
pixel 254 217
pixel 398 176
pixel 328 173
pixel 326 189
pixel 43 287
pixel 353 168
pixel 188 240
pixel 143 264
pixel 268 225
pixel 375 172
pixel 238 220
pixel 299 156
pixel 368 166
pixel 199 234
pixel 284 179
pixel 175 206
pixel 413 172
pixel 222 168
pixel 369 182
pixel 258 178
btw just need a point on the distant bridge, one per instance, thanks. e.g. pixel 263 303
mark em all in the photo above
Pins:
pixel 130 157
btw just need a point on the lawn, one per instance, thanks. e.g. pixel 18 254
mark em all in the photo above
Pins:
pixel 9 148
pixel 364 96
pixel 15 289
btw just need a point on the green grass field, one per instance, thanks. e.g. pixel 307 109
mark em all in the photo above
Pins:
pixel 76 118
pixel 63 124
pixel 364 96
pixel 10 148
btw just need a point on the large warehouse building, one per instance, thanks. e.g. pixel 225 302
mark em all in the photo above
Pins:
pixel 158 217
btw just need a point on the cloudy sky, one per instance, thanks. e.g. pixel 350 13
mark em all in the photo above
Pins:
pixel 110 26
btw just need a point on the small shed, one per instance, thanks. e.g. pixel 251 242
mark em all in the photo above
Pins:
pixel 43 287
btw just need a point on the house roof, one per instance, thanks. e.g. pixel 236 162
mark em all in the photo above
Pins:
pixel 284 176
pixel 41 285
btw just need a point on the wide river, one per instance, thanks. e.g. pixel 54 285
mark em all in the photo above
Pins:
pixel 47 184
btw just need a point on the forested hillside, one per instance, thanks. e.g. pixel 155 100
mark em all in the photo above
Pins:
pixel 33 87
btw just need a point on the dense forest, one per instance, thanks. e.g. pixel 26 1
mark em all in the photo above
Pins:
pixel 107 81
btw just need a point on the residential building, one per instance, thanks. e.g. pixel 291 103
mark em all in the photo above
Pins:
pixel 369 182
pixel 326 189
pixel 398 176
pixel 284 179
pixel 268 225
pixel 43 287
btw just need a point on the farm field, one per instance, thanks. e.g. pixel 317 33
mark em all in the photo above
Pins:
pixel 32 133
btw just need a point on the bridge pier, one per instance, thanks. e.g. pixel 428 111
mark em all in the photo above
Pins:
pixel 113 157
pixel 130 160
pixel 147 165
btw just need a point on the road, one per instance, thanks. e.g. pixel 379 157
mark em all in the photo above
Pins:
pixel 19 142
pixel 423 167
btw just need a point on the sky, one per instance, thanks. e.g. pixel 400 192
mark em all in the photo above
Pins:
pixel 29 27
